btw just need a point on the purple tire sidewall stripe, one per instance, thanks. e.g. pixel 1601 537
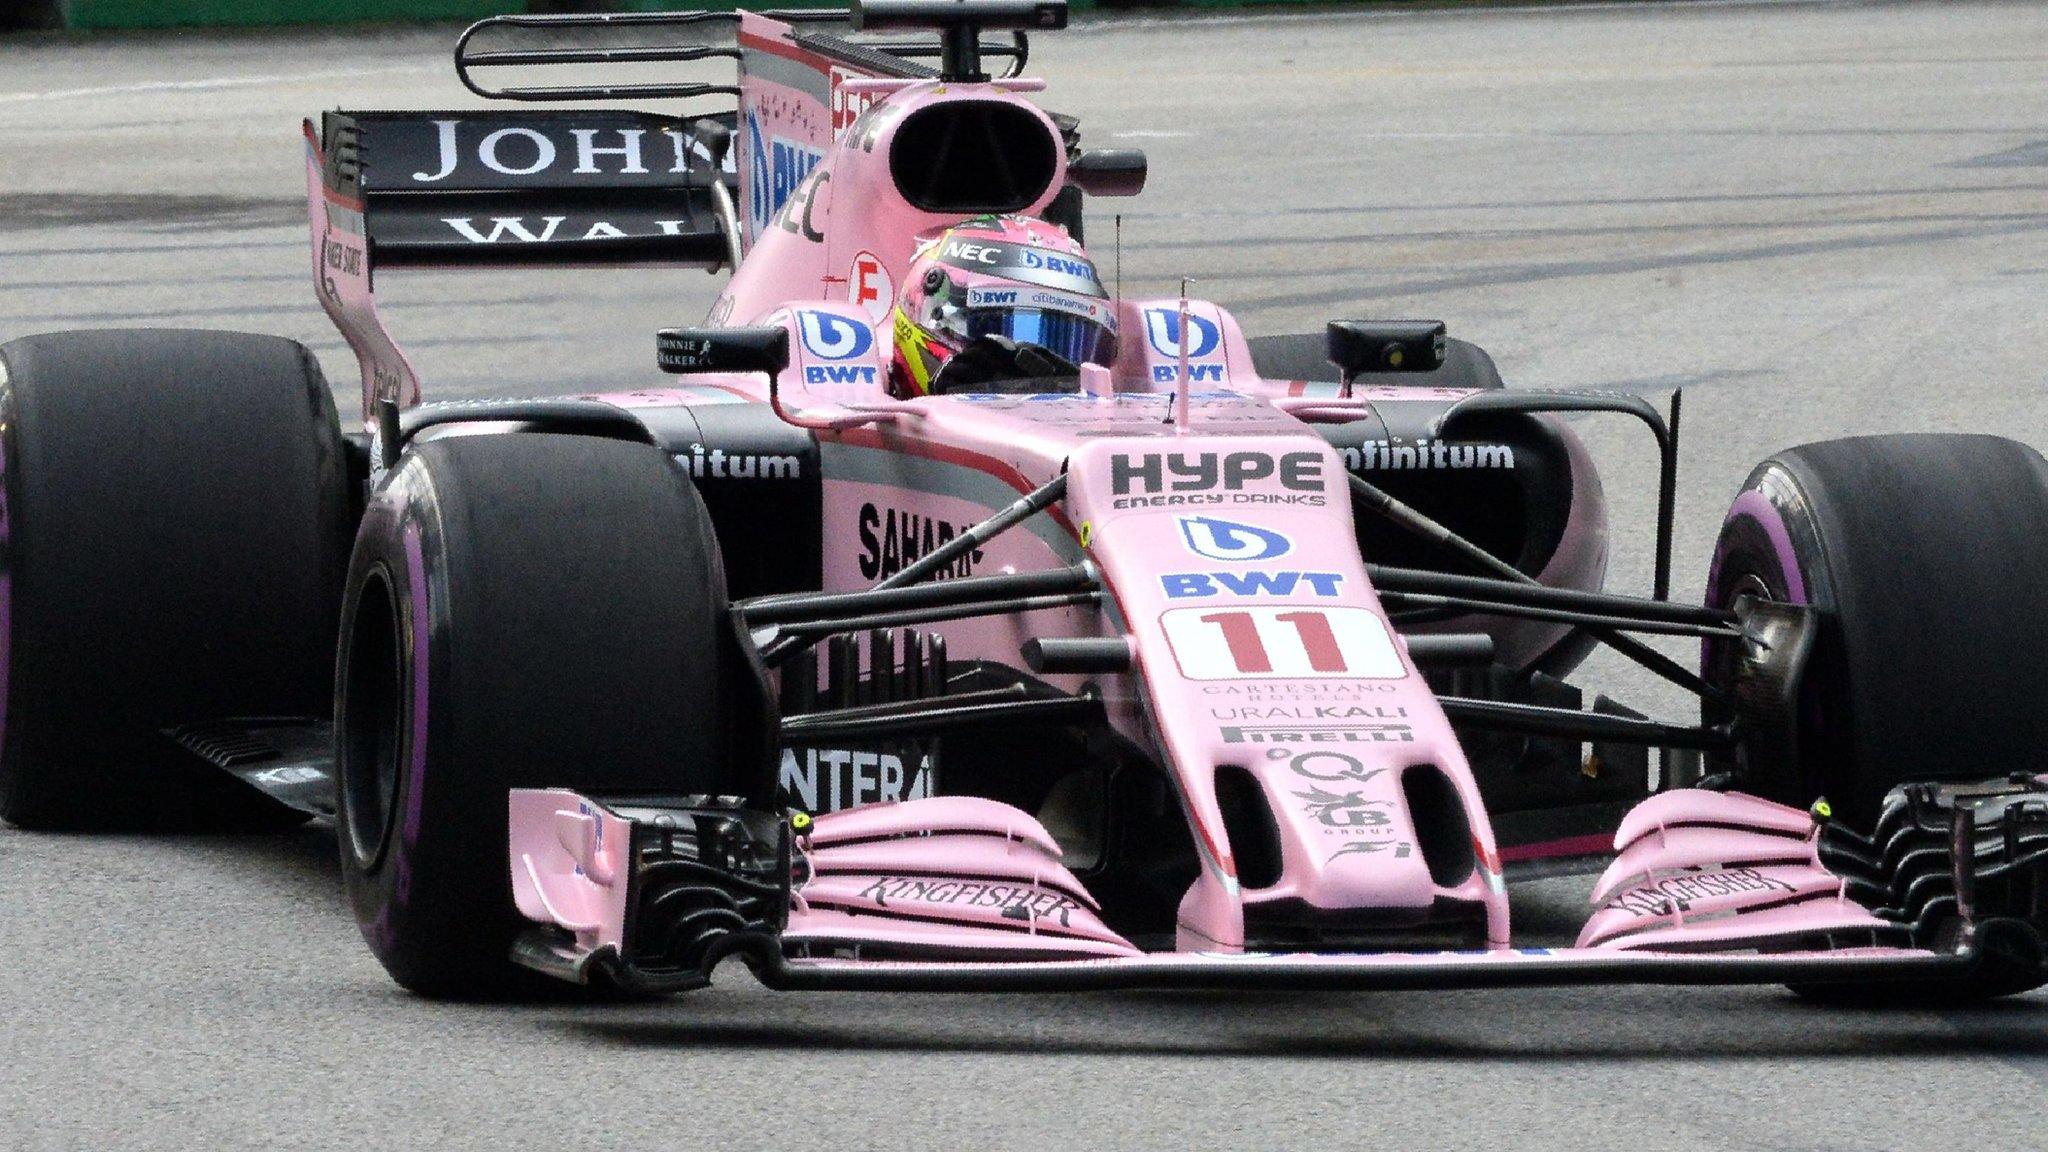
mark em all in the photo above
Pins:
pixel 415 790
pixel 416 576
pixel 1758 507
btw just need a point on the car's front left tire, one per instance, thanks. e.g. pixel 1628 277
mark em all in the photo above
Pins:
pixel 175 527
pixel 1920 556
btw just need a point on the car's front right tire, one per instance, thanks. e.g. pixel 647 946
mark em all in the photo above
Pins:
pixel 523 610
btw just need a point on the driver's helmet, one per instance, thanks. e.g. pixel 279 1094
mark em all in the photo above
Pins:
pixel 1013 277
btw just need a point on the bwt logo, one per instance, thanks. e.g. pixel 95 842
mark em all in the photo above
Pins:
pixel 830 337
pixel 1228 540
pixel 1162 327
pixel 1200 585
pixel 1165 373
pixel 839 374
pixel 777 167
pixel 1060 264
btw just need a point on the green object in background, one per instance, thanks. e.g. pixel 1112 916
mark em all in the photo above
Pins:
pixel 192 13
pixel 218 13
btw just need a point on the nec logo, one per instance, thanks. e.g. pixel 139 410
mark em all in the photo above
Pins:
pixel 971 253
pixel 1157 472
pixel 1199 585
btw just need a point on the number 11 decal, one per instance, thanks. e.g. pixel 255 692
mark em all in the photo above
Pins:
pixel 1281 642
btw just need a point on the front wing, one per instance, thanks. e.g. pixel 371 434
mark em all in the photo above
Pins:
pixel 957 894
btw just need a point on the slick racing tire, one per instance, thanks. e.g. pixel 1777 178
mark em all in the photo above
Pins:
pixel 176 527
pixel 1301 356
pixel 1922 554
pixel 523 610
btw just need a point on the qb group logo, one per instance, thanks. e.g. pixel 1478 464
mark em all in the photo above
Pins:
pixel 1231 541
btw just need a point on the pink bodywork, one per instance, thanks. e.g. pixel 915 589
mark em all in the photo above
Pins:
pixel 1696 868
pixel 981 880
pixel 1261 646
pixel 1346 837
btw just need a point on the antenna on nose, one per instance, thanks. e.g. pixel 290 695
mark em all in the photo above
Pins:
pixel 1180 400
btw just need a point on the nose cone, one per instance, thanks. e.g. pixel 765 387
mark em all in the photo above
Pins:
pixel 1350 852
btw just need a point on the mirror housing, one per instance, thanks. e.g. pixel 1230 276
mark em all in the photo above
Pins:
pixel 683 351
pixel 715 137
pixel 1108 171
pixel 1360 346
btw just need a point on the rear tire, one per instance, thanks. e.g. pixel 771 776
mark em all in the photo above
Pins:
pixel 1302 356
pixel 523 610
pixel 176 530
pixel 1922 553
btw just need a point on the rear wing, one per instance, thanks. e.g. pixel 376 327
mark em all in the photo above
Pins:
pixel 530 187
pixel 539 187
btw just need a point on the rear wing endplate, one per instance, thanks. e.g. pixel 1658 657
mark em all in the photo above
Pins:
pixel 513 188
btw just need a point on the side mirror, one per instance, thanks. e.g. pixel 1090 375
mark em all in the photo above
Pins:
pixel 683 351
pixel 904 15
pixel 1360 346
pixel 1108 172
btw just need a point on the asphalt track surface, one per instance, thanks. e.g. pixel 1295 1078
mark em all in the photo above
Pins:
pixel 1819 219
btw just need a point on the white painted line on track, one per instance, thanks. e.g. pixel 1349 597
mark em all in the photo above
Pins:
pixel 210 84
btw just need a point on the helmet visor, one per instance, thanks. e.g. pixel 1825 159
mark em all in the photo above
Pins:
pixel 1072 337
pixel 1076 328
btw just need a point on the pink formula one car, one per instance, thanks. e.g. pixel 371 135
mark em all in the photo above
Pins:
pixel 952 621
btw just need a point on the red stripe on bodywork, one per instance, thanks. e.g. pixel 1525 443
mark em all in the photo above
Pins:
pixel 947 454
pixel 781 48
pixel 1569 846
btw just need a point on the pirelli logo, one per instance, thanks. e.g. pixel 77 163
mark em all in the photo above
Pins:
pixel 1318 734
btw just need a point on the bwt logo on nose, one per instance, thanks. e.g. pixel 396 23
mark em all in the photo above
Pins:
pixel 1162 327
pixel 1165 373
pixel 831 337
pixel 1199 585
pixel 1228 540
